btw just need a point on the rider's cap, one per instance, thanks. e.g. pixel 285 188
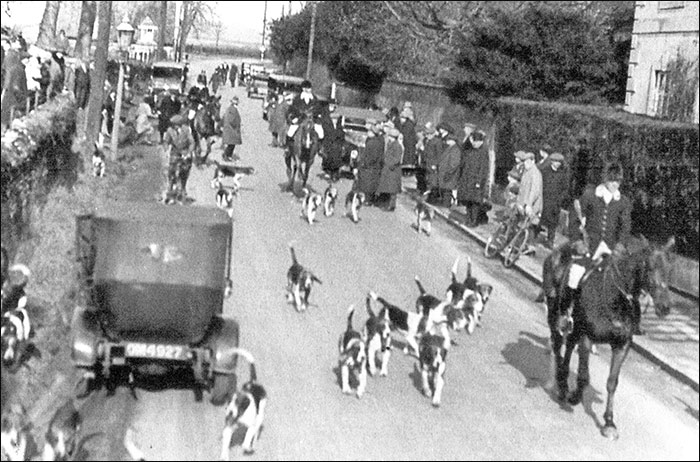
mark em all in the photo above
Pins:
pixel 523 155
pixel 177 119
pixel 393 132
pixel 515 174
pixel 613 173
pixel 306 84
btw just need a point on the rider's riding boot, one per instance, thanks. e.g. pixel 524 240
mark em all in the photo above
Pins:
pixel 637 321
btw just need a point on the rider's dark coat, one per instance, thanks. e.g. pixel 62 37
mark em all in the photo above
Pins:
pixel 300 107
pixel 610 222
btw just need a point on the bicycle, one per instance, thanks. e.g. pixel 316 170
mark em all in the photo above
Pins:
pixel 510 237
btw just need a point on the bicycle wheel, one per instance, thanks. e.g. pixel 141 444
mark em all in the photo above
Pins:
pixel 516 247
pixel 494 243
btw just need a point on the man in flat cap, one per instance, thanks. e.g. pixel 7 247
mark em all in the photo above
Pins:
pixel 529 199
pixel 179 144
pixel 555 195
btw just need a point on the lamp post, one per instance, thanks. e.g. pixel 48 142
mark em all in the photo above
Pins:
pixel 125 33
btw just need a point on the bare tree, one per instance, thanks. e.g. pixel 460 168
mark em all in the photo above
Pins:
pixel 85 29
pixel 104 16
pixel 195 15
pixel 218 28
pixel 47 28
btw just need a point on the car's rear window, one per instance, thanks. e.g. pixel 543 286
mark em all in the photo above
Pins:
pixel 166 72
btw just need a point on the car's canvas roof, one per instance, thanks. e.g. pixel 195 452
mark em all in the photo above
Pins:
pixel 360 113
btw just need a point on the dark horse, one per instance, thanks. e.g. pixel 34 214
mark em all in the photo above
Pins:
pixel 605 313
pixel 303 150
pixel 206 125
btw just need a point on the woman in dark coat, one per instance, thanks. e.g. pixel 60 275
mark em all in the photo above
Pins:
pixel 390 178
pixel 370 161
pixel 333 141
pixel 555 194
pixel 432 153
pixel 448 170
pixel 473 191
pixel 408 130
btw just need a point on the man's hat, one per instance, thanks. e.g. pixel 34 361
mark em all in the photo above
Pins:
pixel 429 129
pixel 557 157
pixel 523 155
pixel 407 113
pixel 515 173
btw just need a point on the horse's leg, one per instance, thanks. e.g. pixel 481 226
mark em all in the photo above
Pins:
pixel 563 368
pixel 556 339
pixel 619 353
pixel 584 378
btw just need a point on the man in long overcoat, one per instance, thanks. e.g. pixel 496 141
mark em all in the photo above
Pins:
pixel 555 194
pixel 390 178
pixel 278 119
pixel 433 148
pixel 448 170
pixel 370 161
pixel 333 144
pixel 473 191
pixel 231 136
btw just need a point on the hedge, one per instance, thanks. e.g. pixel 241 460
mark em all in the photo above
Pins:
pixel 36 155
pixel 660 159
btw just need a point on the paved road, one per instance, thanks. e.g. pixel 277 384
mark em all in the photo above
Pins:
pixel 496 403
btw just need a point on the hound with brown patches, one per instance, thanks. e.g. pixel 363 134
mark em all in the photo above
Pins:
pixel 432 356
pixel 246 408
pixel 15 437
pixel 330 196
pixel 61 436
pixel 377 334
pixel 353 203
pixel 443 311
pixel 299 282
pixel 353 358
pixel 469 295
pixel 310 204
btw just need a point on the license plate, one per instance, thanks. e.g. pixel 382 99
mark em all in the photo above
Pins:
pixel 156 350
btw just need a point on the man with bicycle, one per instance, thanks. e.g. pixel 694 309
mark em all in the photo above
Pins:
pixel 529 200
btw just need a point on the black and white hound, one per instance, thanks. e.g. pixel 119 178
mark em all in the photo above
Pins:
pixel 469 295
pixel 442 311
pixel 330 196
pixel 247 408
pixel 353 203
pixel 310 204
pixel 432 356
pixel 377 334
pixel 424 214
pixel 353 358
pixel 15 437
pixel 61 436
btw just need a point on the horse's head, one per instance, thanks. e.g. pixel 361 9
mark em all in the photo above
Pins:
pixel 655 276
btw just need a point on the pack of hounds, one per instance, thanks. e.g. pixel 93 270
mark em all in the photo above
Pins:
pixel 313 201
pixel 354 200
pixel 425 331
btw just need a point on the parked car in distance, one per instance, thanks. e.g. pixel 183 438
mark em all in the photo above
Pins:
pixel 147 312
pixel 354 123
pixel 168 76
pixel 279 83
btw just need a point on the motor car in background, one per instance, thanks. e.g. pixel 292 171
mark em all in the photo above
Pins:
pixel 354 123
pixel 147 312
pixel 169 76
pixel 277 84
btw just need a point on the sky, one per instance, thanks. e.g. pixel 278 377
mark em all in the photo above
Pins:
pixel 243 20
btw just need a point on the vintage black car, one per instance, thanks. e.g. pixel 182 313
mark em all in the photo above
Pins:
pixel 168 76
pixel 155 278
pixel 277 84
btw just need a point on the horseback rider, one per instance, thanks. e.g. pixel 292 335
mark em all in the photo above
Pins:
pixel 196 98
pixel 602 223
pixel 306 104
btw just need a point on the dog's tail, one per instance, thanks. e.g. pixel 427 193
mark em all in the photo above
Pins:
pixel 351 311
pixel 133 450
pixel 454 270
pixel 315 279
pixel 420 286
pixel 294 256
pixel 368 305
pixel 469 281
pixel 251 361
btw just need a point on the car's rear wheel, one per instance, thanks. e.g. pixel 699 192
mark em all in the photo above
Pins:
pixel 223 387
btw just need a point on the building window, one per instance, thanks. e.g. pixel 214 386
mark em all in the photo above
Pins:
pixel 658 93
pixel 670 5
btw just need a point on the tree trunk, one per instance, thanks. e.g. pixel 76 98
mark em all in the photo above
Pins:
pixel 47 28
pixel 85 29
pixel 160 52
pixel 104 16
pixel 186 26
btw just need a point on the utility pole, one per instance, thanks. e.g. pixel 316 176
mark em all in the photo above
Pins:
pixel 262 46
pixel 311 40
